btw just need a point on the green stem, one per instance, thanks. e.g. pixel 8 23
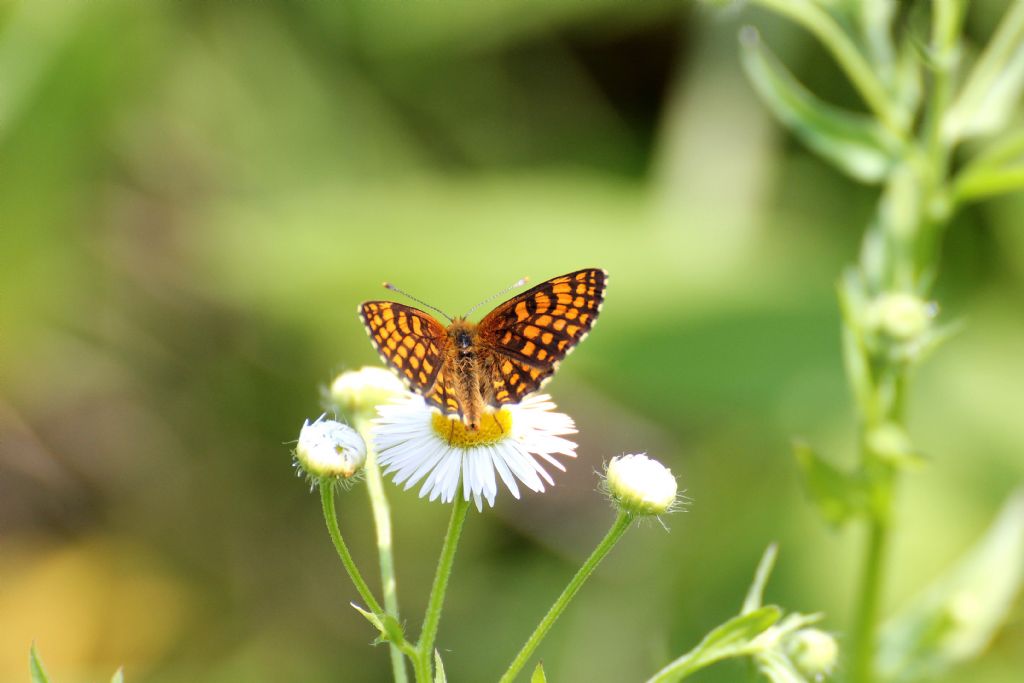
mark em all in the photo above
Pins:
pixel 622 523
pixel 425 647
pixel 382 523
pixel 865 628
pixel 331 517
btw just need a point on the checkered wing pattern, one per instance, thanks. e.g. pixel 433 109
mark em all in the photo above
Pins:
pixel 530 333
pixel 408 340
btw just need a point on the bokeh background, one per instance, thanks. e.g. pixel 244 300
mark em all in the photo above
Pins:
pixel 194 196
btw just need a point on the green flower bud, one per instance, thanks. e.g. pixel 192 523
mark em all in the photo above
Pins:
pixel 813 652
pixel 640 485
pixel 900 316
pixel 359 392
pixel 330 450
pixel 891 443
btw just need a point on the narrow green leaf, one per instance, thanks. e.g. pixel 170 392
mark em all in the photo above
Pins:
pixel 875 18
pixel 538 675
pixel 118 676
pixel 373 619
pixel 993 86
pixel 855 143
pixel 35 666
pixel 838 495
pixel 439 675
pixel 908 80
pixel 852 303
pixel 734 638
pixel 956 618
pixel 983 182
pixel 755 594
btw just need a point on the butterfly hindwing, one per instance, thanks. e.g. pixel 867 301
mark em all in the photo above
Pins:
pixel 443 396
pixel 408 340
pixel 543 324
pixel 513 379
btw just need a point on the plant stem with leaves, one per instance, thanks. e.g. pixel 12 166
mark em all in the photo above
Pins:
pixel 906 143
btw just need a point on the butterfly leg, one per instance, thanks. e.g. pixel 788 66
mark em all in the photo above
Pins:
pixel 451 431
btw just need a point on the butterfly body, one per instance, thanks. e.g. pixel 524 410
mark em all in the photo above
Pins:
pixel 466 369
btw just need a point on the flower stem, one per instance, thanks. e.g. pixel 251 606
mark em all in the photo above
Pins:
pixel 432 618
pixel 331 517
pixel 622 523
pixel 382 523
pixel 866 620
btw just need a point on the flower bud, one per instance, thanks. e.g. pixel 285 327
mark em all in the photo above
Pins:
pixel 640 485
pixel 330 450
pixel 900 316
pixel 359 392
pixel 813 652
pixel 891 443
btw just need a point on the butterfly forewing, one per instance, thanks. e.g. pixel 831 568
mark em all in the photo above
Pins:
pixel 512 351
pixel 530 333
pixel 408 340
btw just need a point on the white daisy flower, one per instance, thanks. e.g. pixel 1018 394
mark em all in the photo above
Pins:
pixel 416 442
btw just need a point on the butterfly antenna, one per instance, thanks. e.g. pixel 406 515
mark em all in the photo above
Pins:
pixel 388 285
pixel 518 283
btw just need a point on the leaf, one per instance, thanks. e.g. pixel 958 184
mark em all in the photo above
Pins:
pixel 853 142
pixel 118 676
pixel 988 181
pixel 734 638
pixel 764 569
pixel 373 619
pixel 35 666
pixel 538 674
pixel 852 302
pixel 439 675
pixel 838 495
pixel 991 90
pixel 954 619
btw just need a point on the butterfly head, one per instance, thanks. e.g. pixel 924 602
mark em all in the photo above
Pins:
pixel 462 336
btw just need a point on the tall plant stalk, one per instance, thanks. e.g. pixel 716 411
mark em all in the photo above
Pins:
pixel 921 104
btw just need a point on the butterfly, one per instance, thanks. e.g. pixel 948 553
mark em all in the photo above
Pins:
pixel 465 368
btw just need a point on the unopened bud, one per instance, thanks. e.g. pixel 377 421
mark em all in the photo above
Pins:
pixel 813 652
pixel 640 485
pixel 901 316
pixel 330 450
pixel 359 392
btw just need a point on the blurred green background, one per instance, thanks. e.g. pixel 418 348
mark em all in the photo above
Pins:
pixel 194 196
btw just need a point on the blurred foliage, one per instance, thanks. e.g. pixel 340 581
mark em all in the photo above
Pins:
pixel 194 196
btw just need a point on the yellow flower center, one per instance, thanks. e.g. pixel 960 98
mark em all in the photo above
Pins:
pixel 493 428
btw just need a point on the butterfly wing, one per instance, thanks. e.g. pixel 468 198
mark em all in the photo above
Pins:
pixel 529 334
pixel 410 341
pixel 443 395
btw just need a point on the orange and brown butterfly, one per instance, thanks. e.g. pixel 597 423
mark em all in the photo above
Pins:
pixel 465 369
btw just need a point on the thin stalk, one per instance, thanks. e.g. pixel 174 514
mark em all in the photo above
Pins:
pixel 331 517
pixel 865 626
pixel 425 647
pixel 622 523
pixel 382 524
